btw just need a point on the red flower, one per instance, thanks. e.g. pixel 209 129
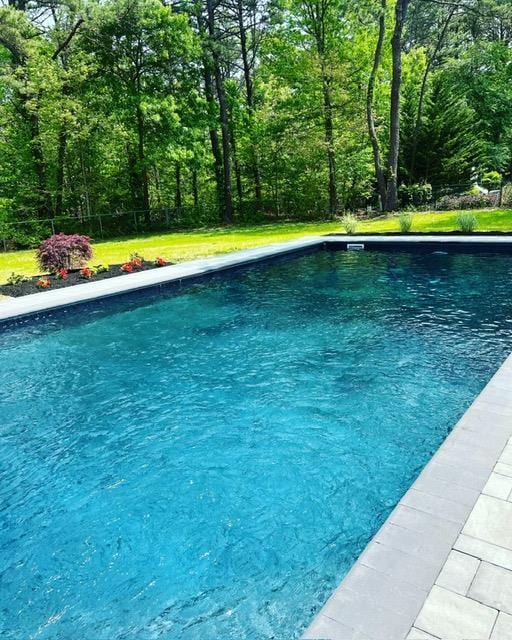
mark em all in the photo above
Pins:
pixel 160 262
pixel 62 274
pixel 136 261
pixel 44 283
pixel 127 267
pixel 87 273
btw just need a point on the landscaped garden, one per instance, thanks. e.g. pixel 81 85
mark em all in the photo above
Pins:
pixel 115 257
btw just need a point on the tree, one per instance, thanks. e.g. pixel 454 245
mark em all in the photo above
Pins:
pixel 142 49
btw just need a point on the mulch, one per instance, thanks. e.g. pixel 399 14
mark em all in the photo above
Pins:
pixel 74 277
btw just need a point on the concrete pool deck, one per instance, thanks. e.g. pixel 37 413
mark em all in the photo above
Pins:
pixel 441 565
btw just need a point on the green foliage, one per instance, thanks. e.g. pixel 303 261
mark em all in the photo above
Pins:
pixel 466 221
pixel 491 180
pixel 447 149
pixel 114 106
pixel 349 223
pixel 405 221
pixel 506 198
pixel 16 278
pixel 415 194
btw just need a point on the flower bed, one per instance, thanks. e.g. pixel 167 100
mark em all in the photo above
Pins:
pixel 20 286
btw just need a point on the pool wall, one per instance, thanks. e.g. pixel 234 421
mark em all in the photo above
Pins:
pixel 386 588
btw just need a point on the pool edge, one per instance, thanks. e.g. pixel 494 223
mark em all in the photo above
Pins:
pixel 384 591
pixel 49 301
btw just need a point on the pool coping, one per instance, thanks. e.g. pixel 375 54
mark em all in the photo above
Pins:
pixel 47 301
pixel 384 591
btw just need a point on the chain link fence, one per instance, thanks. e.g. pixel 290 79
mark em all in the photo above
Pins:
pixel 28 233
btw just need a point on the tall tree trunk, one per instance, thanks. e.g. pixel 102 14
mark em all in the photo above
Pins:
pixel 178 199
pixel 142 169
pixel 133 176
pixel 370 117
pixel 396 82
pixel 329 140
pixel 224 117
pixel 61 158
pixel 236 164
pixel 249 89
pixel 195 190
pixel 44 204
pixel 209 93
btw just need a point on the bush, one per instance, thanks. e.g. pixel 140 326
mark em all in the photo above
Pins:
pixel 17 278
pixel 468 201
pixel 405 220
pixel 506 196
pixel 491 180
pixel 64 252
pixel 349 223
pixel 415 194
pixel 466 221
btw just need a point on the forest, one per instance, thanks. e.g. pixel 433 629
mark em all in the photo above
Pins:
pixel 223 111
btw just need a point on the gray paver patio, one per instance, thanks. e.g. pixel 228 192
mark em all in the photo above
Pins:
pixel 472 596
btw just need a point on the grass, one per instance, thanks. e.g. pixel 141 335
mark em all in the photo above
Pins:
pixel 178 247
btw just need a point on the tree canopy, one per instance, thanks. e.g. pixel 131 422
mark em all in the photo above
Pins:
pixel 238 110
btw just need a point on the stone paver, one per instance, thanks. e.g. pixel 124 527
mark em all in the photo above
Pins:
pixel 418 634
pixel 493 586
pixel 491 520
pixel 484 551
pixel 472 597
pixel 449 615
pixel 503 469
pixel 458 572
pixel 498 486
pixel 503 627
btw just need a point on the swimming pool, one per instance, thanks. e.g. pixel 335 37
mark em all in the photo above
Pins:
pixel 210 465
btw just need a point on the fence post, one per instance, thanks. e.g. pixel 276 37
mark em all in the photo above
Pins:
pixel 135 220
pixel 101 225
pixel 53 228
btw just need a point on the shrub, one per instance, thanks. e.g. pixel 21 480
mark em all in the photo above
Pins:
pixel 466 221
pixel 127 267
pixel 405 220
pixel 64 252
pixel 415 194
pixel 86 273
pixel 349 223
pixel 491 180
pixel 44 283
pixel 17 278
pixel 468 201
pixel 62 274
pixel 101 268
pixel 160 262
pixel 136 260
pixel 506 196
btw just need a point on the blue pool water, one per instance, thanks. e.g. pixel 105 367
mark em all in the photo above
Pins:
pixel 209 466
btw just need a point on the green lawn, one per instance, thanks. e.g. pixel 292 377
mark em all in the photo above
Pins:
pixel 178 247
